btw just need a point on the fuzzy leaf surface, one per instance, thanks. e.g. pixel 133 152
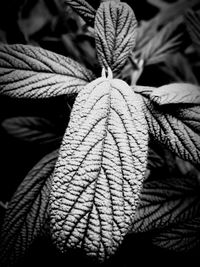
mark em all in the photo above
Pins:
pixel 177 126
pixel 182 237
pixel 83 9
pixel 31 129
pixel 33 72
pixel 101 166
pixel 176 93
pixel 115 34
pixel 166 203
pixel 27 211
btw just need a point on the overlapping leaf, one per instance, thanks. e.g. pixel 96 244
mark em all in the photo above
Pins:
pixel 182 237
pixel 27 71
pixel 85 10
pixel 100 169
pixel 31 129
pixel 175 125
pixel 27 211
pixel 115 34
pixel 166 203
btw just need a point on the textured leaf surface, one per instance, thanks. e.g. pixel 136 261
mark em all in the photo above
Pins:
pixel 31 129
pixel 166 203
pixel 115 33
pixel 27 71
pixel 177 127
pixel 100 169
pixel 176 93
pixel 85 10
pixel 27 211
pixel 182 237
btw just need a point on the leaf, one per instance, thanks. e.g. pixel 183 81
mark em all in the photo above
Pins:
pixel 115 34
pixel 192 20
pixel 166 41
pixel 100 169
pixel 83 9
pixel 180 238
pixel 177 126
pixel 27 71
pixel 176 93
pixel 31 129
pixel 27 211
pixel 166 203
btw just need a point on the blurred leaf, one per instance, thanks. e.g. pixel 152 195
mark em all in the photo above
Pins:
pixel 181 237
pixel 37 18
pixel 179 69
pixel 192 20
pixel 82 8
pixel 115 34
pixel 165 42
pixel 31 129
pixel 27 211
pixel 33 72
pixel 166 203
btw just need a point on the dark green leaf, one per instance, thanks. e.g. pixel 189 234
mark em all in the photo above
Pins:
pixel 27 71
pixel 115 34
pixel 27 211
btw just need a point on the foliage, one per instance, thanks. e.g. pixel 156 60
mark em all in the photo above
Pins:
pixel 121 148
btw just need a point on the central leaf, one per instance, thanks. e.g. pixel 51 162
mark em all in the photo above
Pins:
pixel 100 169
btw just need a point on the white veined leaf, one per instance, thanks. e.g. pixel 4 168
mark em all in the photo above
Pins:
pixel 31 129
pixel 33 72
pixel 163 43
pixel 100 169
pixel 177 126
pixel 192 20
pixel 165 203
pixel 115 34
pixel 182 237
pixel 27 211
pixel 176 93
pixel 84 9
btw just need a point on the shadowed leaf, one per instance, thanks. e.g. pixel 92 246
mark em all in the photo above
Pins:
pixel 100 169
pixel 32 72
pixel 182 237
pixel 115 34
pixel 82 8
pixel 166 203
pixel 27 211
pixel 31 129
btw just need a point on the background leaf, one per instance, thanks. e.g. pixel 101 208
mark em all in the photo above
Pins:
pixel 85 10
pixel 115 34
pixel 27 211
pixel 27 71
pixel 100 169
pixel 182 237
pixel 167 203
pixel 32 129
